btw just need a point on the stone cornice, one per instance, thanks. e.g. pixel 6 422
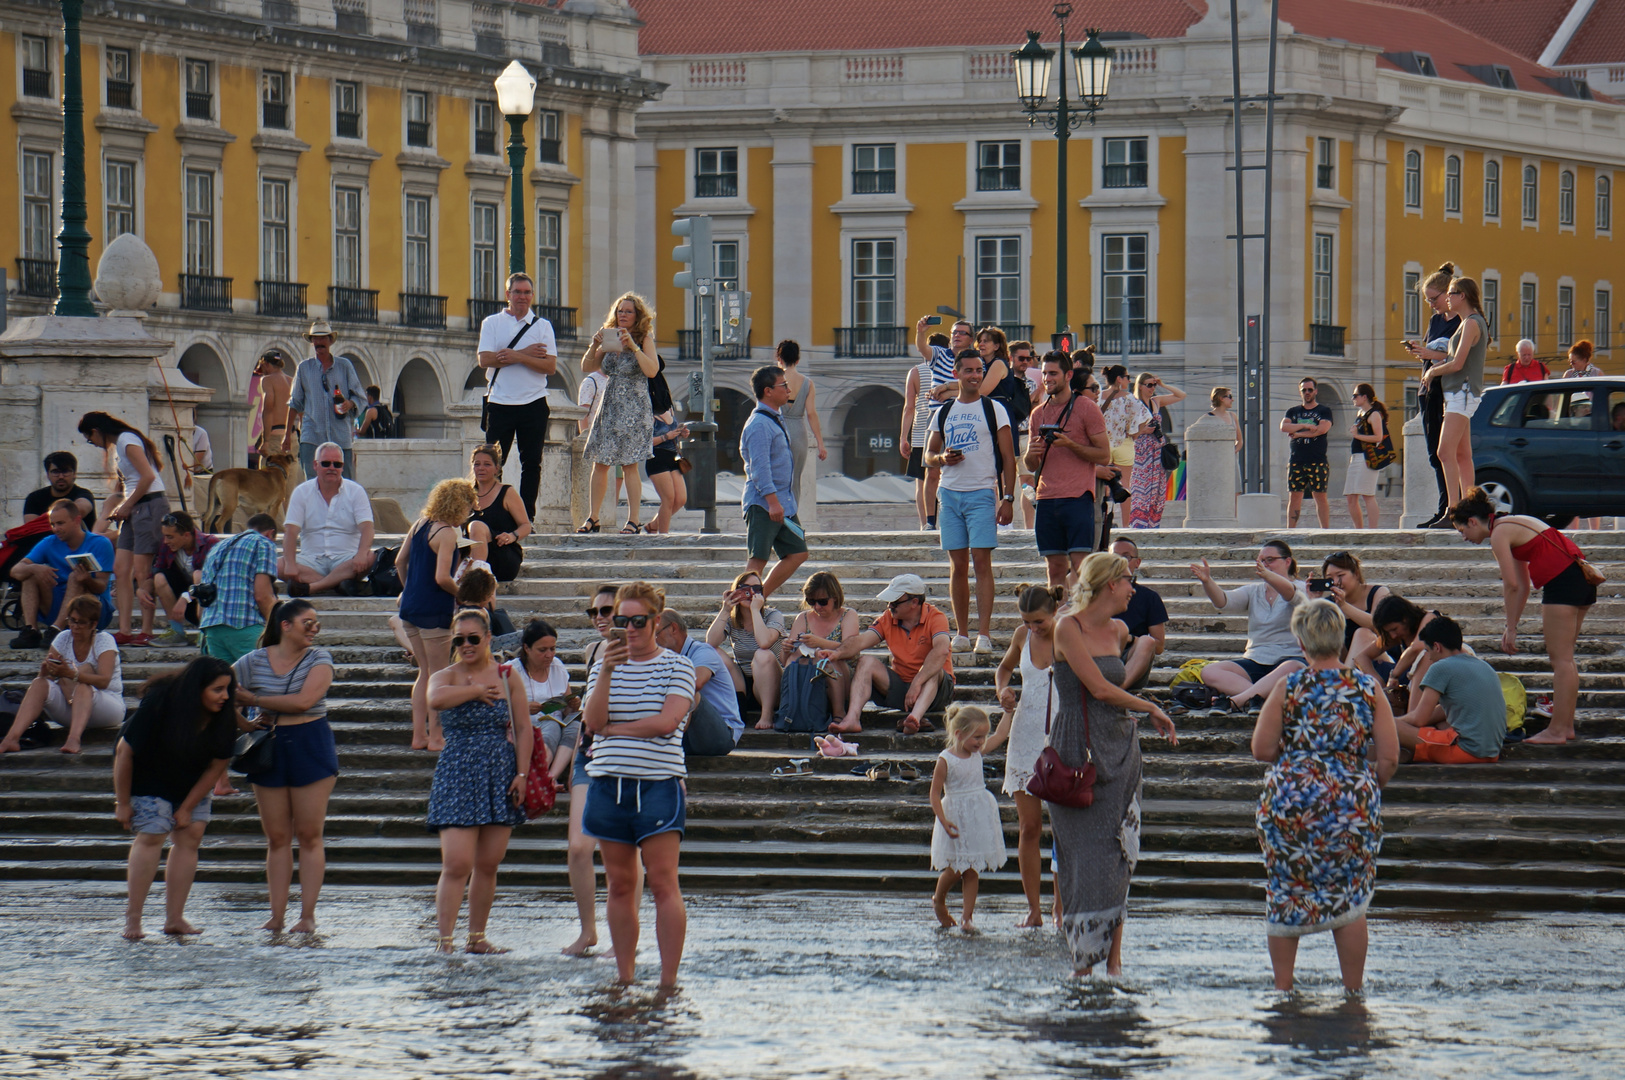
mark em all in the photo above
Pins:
pixel 26 111
pixel 421 159
pixel 351 151
pixel 279 144
pixel 124 120
pixel 210 134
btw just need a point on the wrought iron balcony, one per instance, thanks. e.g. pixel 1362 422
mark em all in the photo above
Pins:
pixel 199 106
pixel 1325 340
pixel 36 83
pixel 421 309
pixel 716 185
pixel 872 341
pixel 485 142
pixel 281 299
pixel 547 151
pixel 1107 338
pixel 998 178
pixel 205 292
pixel 347 125
pixel 479 310
pixel 874 181
pixel 274 114
pixel 688 347
pixel 562 318
pixel 1013 331
pixel 36 277
pixel 1325 176
pixel 120 94
pixel 1129 175
pixel 350 305
pixel 417 133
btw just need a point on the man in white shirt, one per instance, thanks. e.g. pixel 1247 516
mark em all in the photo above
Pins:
pixel 970 442
pixel 518 348
pixel 328 539
pixel 202 451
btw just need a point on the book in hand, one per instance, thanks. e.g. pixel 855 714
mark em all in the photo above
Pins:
pixel 559 710
pixel 84 561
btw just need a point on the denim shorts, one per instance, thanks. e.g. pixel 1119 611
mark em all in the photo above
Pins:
pixel 1064 526
pixel 626 810
pixel 305 754
pixel 578 768
pixel 1461 402
pixel 155 815
pixel 968 519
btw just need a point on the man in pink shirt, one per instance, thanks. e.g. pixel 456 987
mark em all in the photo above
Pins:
pixel 1066 440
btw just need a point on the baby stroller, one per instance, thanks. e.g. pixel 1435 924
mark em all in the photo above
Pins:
pixel 19 541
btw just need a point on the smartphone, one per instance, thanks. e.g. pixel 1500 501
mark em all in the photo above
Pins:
pixel 618 634
pixel 933 320
pixel 1319 584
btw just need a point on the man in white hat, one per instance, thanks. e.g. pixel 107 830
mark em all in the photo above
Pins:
pixel 918 678
pixel 326 396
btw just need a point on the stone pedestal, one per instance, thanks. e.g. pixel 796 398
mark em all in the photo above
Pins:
pixel 1210 474
pixel 1421 486
pixel 1259 510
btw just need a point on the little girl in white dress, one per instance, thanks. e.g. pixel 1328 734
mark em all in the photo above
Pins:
pixel 969 837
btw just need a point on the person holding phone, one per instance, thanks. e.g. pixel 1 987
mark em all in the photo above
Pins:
pixel 478 793
pixel 79 685
pixel 753 630
pixel 623 428
pixel 1441 327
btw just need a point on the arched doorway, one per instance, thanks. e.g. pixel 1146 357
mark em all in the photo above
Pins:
pixel 362 371
pixel 419 403
pixel 220 415
pixel 874 415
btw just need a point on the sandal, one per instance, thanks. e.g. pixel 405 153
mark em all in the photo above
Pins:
pixel 795 768
pixel 480 945
pixel 445 944
pixel 879 772
pixel 631 528
pixel 588 526
pixel 905 771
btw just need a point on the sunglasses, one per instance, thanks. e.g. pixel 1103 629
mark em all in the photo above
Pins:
pixel 899 602
pixel 330 464
pixel 466 639
pixel 1339 555
pixel 172 520
pixel 601 612
pixel 818 601
pixel 635 621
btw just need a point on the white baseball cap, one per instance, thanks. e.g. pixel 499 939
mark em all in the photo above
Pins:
pixel 903 585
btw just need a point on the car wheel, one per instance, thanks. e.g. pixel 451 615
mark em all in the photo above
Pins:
pixel 1505 496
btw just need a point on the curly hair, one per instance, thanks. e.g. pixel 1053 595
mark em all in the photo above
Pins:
pixel 450 501
pixel 643 321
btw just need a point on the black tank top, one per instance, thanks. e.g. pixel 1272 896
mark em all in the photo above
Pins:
pixel 496 516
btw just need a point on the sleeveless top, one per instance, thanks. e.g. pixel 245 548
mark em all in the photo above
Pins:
pixel 796 407
pixel 1548 554
pixel 496 516
pixel 1349 625
pixel 922 406
pixel 1471 375
pixel 424 603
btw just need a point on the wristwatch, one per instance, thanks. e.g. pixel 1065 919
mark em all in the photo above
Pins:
pixel 1007 498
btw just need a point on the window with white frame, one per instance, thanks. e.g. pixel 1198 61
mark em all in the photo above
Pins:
pixel 1565 198
pixel 485 127
pixel 1492 189
pixel 1604 318
pixel 1565 316
pixel 199 91
pixel 874 169
pixel 418 131
pixel 1531 193
pixel 998 166
pixel 549 257
pixel 347 237
pixel 347 110
pixel 1526 311
pixel 38 218
pixel 1605 204
pixel 1126 163
pixel 549 141
pixel 419 272
pixel 1413 180
pixel 725 265
pixel 874 283
pixel 200 222
pixel 1413 303
pixel 274 99
pixel 1123 277
pixel 37 67
pixel 1325 163
pixel 1324 262
pixel 1490 294
pixel 486 233
pixel 274 229
pixel 1452 184
pixel 120 81
pixel 716 173
pixel 119 194
pixel 998 279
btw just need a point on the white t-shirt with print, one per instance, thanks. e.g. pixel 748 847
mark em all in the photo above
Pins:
pixel 964 428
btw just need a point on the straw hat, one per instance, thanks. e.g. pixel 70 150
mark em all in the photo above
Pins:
pixel 319 328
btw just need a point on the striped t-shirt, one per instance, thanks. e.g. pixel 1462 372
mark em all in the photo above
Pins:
pixel 254 674
pixel 639 688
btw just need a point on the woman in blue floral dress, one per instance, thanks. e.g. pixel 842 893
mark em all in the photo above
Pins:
pixel 1329 734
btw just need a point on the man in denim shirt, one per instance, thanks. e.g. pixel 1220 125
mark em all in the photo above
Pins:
pixel 770 505
pixel 313 408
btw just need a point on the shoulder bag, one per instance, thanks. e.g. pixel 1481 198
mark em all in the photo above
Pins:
pixel 485 402
pixel 540 791
pixel 255 751
pixel 1378 455
pixel 1170 449
pixel 1054 780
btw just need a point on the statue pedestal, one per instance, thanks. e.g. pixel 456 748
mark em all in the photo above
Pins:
pixel 1210 474
pixel 1421 486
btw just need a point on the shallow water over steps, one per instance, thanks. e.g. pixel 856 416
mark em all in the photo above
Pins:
pixel 792 985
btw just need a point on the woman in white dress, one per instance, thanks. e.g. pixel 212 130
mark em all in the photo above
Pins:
pixel 1032 649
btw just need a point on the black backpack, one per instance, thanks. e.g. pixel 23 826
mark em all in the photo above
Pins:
pixel 384 426
pixel 992 426
pixel 1014 393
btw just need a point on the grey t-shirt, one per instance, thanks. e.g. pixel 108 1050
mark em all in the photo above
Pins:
pixel 743 638
pixel 1269 621
pixel 1470 691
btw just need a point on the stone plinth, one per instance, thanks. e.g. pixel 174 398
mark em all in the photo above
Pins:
pixel 1259 510
pixel 1210 474
pixel 1421 486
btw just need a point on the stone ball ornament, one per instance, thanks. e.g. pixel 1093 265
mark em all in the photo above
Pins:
pixel 127 277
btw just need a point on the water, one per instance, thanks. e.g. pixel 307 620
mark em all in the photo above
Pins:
pixel 791 985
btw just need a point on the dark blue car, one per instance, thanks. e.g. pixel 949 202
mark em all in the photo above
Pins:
pixel 1553 449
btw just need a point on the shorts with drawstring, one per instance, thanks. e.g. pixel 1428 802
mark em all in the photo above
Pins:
pixel 627 810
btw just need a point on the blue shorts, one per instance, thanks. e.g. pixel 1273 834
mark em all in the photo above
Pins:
pixel 152 814
pixel 1256 670
pixel 1064 526
pixel 305 754
pixel 625 810
pixel 968 519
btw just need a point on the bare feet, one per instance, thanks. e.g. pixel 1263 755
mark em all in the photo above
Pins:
pixel 764 724
pixel 910 725
pixel 1114 971
pixel 71 746
pixel 847 727
pixel 940 905
pixel 1033 921
pixel 133 932
pixel 273 924
pixel 304 926
pixel 223 786
pixel 10 746
pixel 181 927
pixel 437 743
pixel 580 945
pixel 969 928
pixel 1549 738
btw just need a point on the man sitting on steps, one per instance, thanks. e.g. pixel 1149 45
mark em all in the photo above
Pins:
pixel 919 678
pixel 1459 716
pixel 714 724
pixel 327 542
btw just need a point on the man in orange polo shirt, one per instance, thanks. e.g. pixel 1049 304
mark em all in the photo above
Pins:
pixel 919 676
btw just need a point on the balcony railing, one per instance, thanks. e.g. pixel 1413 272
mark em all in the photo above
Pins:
pixel 872 341
pixel 562 318
pixel 1325 340
pixel 274 114
pixel 479 310
pixel 547 151
pixel 1325 176
pixel 417 133
pixel 36 277
pixel 688 347
pixel 421 309
pixel 36 83
pixel 120 94
pixel 874 181
pixel 199 106
pixel 485 142
pixel 1107 338
pixel 1123 176
pixel 716 185
pixel 205 292
pixel 281 299
pixel 347 125
pixel 345 304
pixel 998 178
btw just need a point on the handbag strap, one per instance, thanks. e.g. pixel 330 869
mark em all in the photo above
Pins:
pixel 1083 694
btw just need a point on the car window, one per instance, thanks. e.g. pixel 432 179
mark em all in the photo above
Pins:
pixel 1542 410
pixel 1616 410
pixel 1566 411
pixel 1507 414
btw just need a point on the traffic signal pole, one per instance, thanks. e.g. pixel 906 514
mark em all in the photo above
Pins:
pixel 696 277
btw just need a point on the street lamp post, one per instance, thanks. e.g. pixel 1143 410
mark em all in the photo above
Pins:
pixel 1092 64
pixel 516 97
pixel 73 240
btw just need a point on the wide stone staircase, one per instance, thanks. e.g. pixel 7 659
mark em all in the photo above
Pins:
pixel 1542 829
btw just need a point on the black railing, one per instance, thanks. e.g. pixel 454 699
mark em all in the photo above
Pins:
pixel 36 83
pixel 562 318
pixel 205 292
pixel 688 347
pixel 871 341
pixel 1122 176
pixel 347 125
pixel 199 106
pixel 1107 338
pixel 1325 340
pixel 547 151
pixel 281 299
pixel 349 305
pixel 874 181
pixel 555 54
pixel 485 142
pixel 1325 176
pixel 716 185
pixel 274 114
pixel 120 94
pixel 417 133
pixel 36 277
pixel 479 310
pixel 998 178
pixel 421 309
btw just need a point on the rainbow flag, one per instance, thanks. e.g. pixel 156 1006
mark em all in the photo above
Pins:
pixel 1176 483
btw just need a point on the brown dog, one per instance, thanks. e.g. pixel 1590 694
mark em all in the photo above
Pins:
pixel 258 491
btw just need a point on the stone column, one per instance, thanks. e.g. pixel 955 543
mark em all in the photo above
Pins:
pixel 1210 476
pixel 1421 487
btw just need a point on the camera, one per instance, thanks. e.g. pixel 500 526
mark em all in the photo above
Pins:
pixel 1120 494
pixel 205 593
pixel 1049 431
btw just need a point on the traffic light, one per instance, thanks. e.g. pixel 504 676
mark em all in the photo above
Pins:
pixel 1061 343
pixel 695 254
pixel 733 317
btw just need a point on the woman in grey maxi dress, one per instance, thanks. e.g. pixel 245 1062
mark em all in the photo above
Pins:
pixel 1096 847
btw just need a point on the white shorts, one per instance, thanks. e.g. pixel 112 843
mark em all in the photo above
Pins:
pixel 323 564
pixel 106 711
pixel 1461 402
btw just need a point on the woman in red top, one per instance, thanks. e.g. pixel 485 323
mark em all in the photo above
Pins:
pixel 1530 552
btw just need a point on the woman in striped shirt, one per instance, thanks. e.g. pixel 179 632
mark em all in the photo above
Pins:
pixel 637 703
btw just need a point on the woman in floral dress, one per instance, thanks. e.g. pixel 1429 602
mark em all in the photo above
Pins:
pixel 1329 734
pixel 1150 484
pixel 623 427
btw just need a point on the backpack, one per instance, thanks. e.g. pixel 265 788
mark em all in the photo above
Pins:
pixel 992 426
pixel 1015 395
pixel 1516 697
pixel 803 700
pixel 383 578
pixel 384 426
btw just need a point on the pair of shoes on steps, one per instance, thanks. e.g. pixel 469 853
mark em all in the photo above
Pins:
pixel 961 643
pixel 29 637
pixel 172 639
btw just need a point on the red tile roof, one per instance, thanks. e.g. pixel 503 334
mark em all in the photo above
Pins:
pixel 1601 38
pixel 1524 26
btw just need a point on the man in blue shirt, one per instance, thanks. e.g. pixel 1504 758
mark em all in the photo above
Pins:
pixel 326 396
pixel 715 725
pixel 49 580
pixel 769 502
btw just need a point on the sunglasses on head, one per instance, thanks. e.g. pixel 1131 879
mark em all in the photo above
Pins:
pixel 171 520
pixel 601 612
pixel 466 639
pixel 636 621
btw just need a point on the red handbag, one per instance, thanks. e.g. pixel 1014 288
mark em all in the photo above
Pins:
pixel 1054 780
pixel 540 790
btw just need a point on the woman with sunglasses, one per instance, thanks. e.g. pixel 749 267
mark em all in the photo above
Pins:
pixel 637 703
pixel 1272 651
pixel 478 794
pixel 753 629
pixel 583 875
pixel 427 564
pixel 285 682
pixel 823 621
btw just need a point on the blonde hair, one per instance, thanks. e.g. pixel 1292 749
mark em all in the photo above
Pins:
pixel 1318 626
pixel 643 321
pixel 1140 380
pixel 644 593
pixel 1439 280
pixel 462 616
pixel 1216 397
pixel 962 716
pixel 1097 572
pixel 450 501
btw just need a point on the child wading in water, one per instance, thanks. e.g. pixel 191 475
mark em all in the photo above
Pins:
pixel 969 837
